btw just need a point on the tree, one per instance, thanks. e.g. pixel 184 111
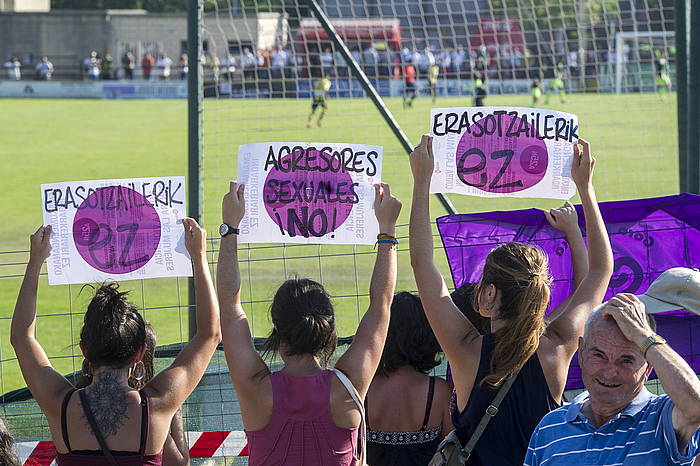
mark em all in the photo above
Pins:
pixel 551 14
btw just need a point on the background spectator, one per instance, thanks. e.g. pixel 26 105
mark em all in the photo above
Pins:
pixel 327 62
pixel 106 67
pixel 44 69
pixel 128 64
pixel 147 65
pixel 248 63
pixel 91 67
pixel 14 69
pixel 184 66
pixel 164 65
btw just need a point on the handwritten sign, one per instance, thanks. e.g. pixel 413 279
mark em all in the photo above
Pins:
pixel 503 151
pixel 116 229
pixel 298 192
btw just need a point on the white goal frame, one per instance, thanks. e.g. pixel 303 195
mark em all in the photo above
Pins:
pixel 620 39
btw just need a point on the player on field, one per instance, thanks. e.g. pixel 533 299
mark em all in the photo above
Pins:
pixel 320 95
pixel 536 92
pixel 409 89
pixel 557 84
pixel 433 73
pixel 662 73
pixel 479 89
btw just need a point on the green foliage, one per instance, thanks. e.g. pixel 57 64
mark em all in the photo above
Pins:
pixel 549 14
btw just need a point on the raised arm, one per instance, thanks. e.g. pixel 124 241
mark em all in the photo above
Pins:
pixel 360 361
pixel 245 364
pixel 677 378
pixel 43 381
pixel 565 219
pixel 176 451
pixel 448 323
pixel 171 387
pixel 563 332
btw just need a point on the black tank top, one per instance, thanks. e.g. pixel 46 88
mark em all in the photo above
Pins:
pixel 404 448
pixel 505 440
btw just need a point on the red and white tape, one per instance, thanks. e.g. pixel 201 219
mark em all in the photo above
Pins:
pixel 225 443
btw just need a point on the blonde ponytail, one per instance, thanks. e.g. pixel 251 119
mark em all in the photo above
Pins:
pixel 521 273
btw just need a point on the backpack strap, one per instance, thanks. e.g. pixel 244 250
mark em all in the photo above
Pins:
pixel 491 411
pixel 95 429
pixel 362 435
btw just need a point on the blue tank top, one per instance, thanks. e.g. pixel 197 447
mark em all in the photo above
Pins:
pixel 505 440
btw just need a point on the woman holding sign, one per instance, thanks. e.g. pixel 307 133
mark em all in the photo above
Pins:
pixel 108 422
pixel 514 293
pixel 304 414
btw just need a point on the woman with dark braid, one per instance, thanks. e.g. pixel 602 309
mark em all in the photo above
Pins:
pixel 109 422
pixel 514 293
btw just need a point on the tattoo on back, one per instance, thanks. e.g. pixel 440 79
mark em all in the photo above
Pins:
pixel 108 403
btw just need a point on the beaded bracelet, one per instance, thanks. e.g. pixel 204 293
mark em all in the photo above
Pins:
pixel 388 241
pixel 383 238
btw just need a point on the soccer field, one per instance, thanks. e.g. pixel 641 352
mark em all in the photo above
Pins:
pixel 634 137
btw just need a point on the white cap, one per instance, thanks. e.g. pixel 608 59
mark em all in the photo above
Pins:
pixel 676 288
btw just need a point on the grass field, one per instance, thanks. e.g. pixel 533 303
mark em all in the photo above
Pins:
pixel 633 136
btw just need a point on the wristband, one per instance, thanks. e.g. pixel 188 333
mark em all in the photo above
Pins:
pixel 383 238
pixel 388 241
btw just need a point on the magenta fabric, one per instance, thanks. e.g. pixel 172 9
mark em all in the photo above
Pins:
pixel 648 236
pixel 301 431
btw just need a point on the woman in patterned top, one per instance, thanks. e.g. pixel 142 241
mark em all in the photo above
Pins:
pixel 407 410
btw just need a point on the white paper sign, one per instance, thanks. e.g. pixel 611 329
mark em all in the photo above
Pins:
pixel 503 152
pixel 116 229
pixel 300 192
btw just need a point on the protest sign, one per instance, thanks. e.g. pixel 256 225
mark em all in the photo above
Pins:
pixel 116 229
pixel 503 151
pixel 647 236
pixel 298 192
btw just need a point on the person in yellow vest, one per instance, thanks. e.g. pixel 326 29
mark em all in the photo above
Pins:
pixel 320 94
pixel 433 73
pixel 536 92
pixel 556 85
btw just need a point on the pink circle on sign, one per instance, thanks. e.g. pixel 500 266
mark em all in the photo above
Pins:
pixel 116 230
pixel 306 201
pixel 500 164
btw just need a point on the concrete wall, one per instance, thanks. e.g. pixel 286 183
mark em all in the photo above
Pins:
pixel 68 36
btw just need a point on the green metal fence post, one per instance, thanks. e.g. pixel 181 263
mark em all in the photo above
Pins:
pixel 693 129
pixel 195 96
pixel 682 91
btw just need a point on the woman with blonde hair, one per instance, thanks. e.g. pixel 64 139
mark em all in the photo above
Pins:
pixel 514 293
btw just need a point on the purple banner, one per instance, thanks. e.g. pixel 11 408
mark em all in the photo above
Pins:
pixel 648 236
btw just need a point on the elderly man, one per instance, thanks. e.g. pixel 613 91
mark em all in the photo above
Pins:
pixel 617 420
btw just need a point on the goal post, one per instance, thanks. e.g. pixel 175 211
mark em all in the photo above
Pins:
pixel 636 61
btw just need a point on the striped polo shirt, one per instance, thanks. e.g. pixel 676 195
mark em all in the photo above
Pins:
pixel 642 434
